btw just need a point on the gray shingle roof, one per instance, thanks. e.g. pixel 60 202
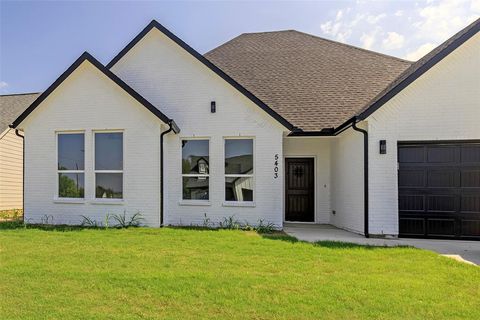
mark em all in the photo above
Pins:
pixel 11 106
pixel 312 82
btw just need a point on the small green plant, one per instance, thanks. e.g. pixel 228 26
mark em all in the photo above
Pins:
pixel 230 223
pixel 106 221
pixel 207 222
pixel 89 222
pixel 46 219
pixel 265 227
pixel 123 222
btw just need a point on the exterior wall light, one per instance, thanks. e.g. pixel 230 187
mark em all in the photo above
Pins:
pixel 213 107
pixel 383 146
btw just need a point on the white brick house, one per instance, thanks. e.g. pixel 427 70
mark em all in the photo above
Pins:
pixel 269 127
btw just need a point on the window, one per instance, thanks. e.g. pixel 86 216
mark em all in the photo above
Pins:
pixel 195 169
pixel 238 169
pixel 109 165
pixel 71 165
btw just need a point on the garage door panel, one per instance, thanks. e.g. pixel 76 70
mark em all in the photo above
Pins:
pixel 441 227
pixel 441 154
pixel 411 202
pixel 439 190
pixel 471 228
pixel 441 203
pixel 412 154
pixel 470 178
pixel 413 226
pixel 412 178
pixel 470 203
pixel 443 178
pixel 470 153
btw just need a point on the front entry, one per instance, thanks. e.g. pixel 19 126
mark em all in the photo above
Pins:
pixel 299 190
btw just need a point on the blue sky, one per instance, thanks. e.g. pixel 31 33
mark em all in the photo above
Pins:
pixel 39 40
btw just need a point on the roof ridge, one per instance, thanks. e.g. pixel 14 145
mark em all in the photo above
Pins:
pixel 355 47
pixel 18 94
pixel 316 37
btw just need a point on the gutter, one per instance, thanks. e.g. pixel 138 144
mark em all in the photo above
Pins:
pixel 365 175
pixel 172 126
pixel 23 171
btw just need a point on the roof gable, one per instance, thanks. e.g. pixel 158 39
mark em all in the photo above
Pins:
pixel 204 61
pixel 87 57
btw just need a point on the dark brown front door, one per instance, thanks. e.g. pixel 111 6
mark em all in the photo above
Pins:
pixel 439 190
pixel 299 190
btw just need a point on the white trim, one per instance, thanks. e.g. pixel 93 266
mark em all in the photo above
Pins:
pixel 314 188
pixel 94 199
pixel 56 197
pixel 238 204
pixel 109 201
pixel 69 200
pixel 250 175
pixel 195 202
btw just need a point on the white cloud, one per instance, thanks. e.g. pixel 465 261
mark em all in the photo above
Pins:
pixel 369 39
pixel 420 52
pixel 375 19
pixel 3 84
pixel 475 6
pixel 437 21
pixel 393 41
pixel 413 28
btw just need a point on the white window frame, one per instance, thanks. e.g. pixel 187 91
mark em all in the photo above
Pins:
pixel 194 201
pixel 57 197
pixel 95 171
pixel 231 203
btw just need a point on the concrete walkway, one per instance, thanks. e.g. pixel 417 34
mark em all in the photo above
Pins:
pixel 459 249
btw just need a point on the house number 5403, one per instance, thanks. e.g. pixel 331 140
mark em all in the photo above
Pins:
pixel 275 167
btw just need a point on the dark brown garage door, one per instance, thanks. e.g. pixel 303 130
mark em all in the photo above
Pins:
pixel 439 190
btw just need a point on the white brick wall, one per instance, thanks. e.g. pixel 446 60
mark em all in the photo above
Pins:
pixel 443 104
pixel 88 100
pixel 319 148
pixel 347 181
pixel 183 88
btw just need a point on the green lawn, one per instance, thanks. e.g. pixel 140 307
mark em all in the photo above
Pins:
pixel 190 274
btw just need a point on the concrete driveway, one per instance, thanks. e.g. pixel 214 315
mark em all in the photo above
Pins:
pixel 459 249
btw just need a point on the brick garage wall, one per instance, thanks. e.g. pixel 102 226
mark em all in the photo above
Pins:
pixel 442 104
pixel 183 88
pixel 87 100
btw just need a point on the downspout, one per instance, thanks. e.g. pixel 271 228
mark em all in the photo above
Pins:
pixel 365 175
pixel 161 170
pixel 23 173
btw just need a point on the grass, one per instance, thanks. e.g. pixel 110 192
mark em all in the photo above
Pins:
pixel 174 273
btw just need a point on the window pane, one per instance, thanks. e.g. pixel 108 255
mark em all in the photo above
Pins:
pixel 109 185
pixel 238 156
pixel 238 189
pixel 195 188
pixel 71 185
pixel 109 151
pixel 195 157
pixel 71 151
